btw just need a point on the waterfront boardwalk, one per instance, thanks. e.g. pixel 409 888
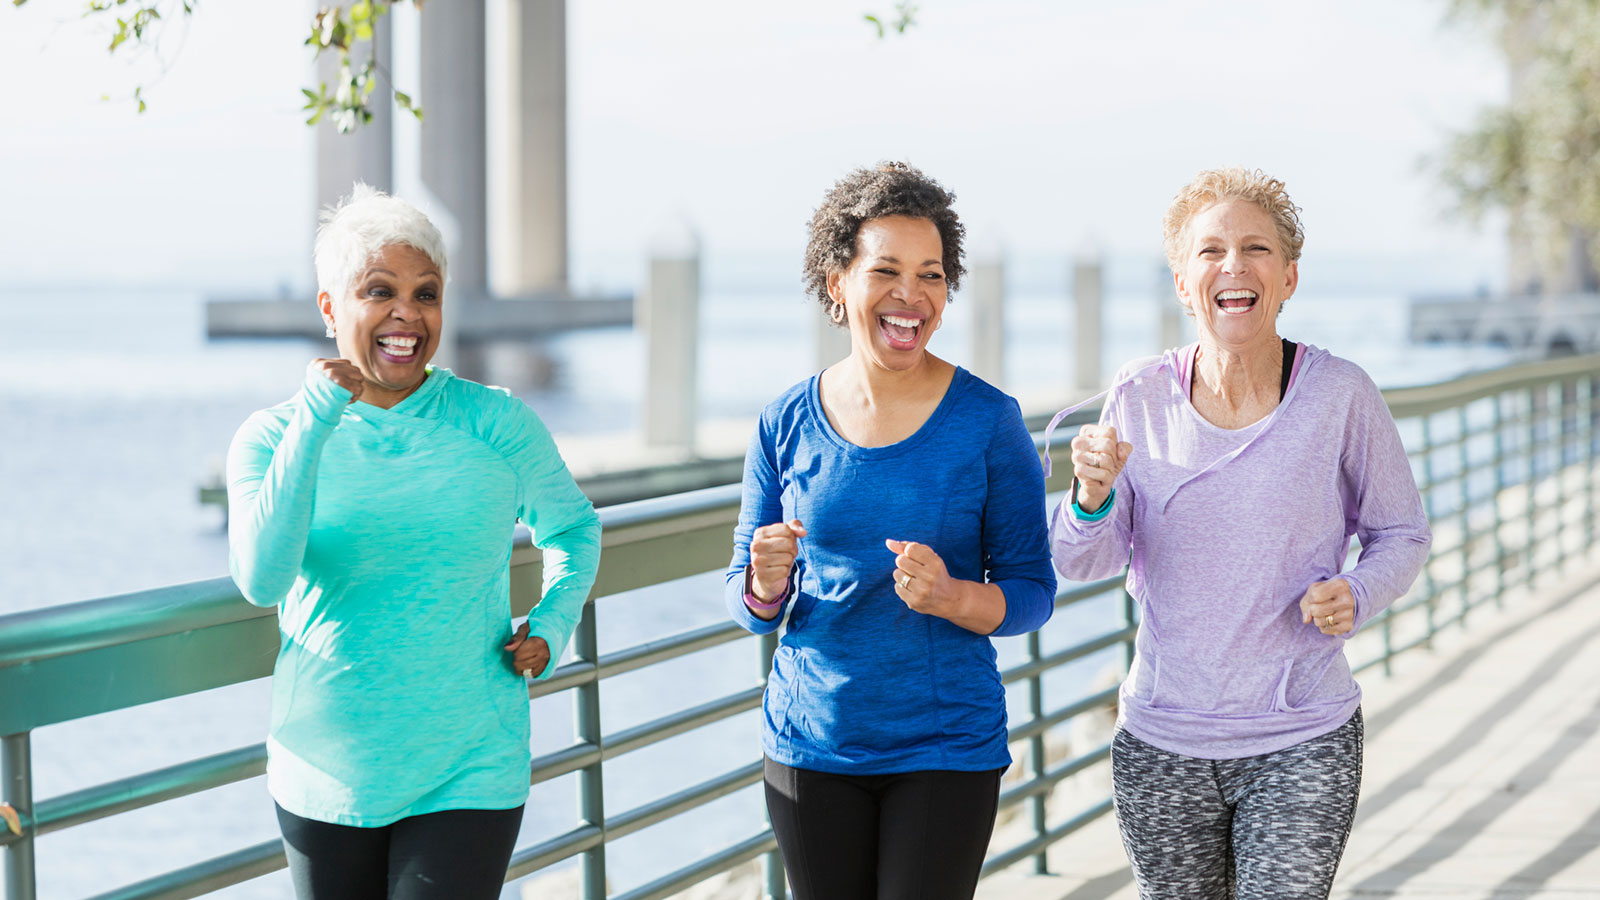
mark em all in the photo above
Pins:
pixel 1482 769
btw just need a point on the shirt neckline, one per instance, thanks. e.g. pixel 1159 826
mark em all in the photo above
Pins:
pixel 958 383
pixel 1186 364
pixel 431 384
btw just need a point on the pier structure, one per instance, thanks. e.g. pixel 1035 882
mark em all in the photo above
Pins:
pixel 509 281
pixel 1556 324
pixel 1477 788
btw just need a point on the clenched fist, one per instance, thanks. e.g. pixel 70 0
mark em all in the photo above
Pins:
pixel 342 372
pixel 1330 606
pixel 1097 459
pixel 772 552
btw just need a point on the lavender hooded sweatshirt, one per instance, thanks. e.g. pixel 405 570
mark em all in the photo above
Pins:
pixel 1228 528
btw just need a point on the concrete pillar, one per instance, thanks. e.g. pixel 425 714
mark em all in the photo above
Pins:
pixel 988 278
pixel 1168 308
pixel 1086 298
pixel 531 241
pixel 832 341
pixel 454 143
pixel 668 313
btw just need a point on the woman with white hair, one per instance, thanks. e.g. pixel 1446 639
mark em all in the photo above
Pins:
pixel 375 509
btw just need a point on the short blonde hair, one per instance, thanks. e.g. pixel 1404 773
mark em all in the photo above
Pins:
pixel 1216 185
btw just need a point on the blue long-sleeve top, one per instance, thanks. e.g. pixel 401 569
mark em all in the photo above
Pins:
pixel 383 536
pixel 861 683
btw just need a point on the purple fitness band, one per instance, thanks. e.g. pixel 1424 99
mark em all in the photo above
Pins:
pixel 757 604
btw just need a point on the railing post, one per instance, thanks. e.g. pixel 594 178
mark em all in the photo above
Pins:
pixel 771 862
pixel 16 788
pixel 1464 498
pixel 591 779
pixel 1561 472
pixel 1036 751
pixel 1427 567
pixel 1499 488
pixel 1589 460
pixel 1533 480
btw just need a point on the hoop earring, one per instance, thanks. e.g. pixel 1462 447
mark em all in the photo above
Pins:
pixel 836 313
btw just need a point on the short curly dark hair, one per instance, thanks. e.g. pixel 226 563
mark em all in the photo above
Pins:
pixel 887 189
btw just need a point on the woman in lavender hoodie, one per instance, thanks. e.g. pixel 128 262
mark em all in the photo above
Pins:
pixel 1235 471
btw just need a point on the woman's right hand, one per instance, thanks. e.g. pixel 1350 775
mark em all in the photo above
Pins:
pixel 1097 460
pixel 772 552
pixel 341 372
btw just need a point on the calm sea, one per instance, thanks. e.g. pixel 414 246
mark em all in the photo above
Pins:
pixel 114 408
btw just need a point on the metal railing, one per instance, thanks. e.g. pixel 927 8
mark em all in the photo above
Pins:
pixel 1505 461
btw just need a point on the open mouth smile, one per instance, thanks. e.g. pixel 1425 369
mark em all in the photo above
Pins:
pixel 399 348
pixel 901 330
pixel 1236 302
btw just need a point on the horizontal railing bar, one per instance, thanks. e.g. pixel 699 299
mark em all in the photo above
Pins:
pixel 681 801
pixel 205 877
pixel 548 853
pixel 571 675
pixel 641 655
pixel 1062 657
pixel 673 882
pixel 1087 590
pixel 631 739
pixel 1077 708
pixel 567 759
pixel 1410 402
pixel 1049 779
pixel 138 791
pixel 1029 848
pixel 65 628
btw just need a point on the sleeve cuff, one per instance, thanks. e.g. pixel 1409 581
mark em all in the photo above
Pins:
pixel 325 398
pixel 1097 515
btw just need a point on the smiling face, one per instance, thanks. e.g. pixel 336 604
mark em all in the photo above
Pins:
pixel 388 323
pixel 894 291
pixel 1234 276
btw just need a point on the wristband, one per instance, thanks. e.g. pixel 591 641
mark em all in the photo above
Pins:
pixel 757 604
pixel 1097 515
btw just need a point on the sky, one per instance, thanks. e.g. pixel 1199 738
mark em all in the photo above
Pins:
pixel 1064 128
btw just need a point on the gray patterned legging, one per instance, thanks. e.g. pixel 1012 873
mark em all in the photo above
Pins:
pixel 1270 826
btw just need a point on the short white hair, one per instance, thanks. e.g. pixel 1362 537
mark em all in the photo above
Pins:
pixel 358 228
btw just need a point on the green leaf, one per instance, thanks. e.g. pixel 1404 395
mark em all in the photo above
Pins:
pixel 317 116
pixel 364 31
pixel 18 2
pixel 402 99
pixel 876 24
pixel 360 12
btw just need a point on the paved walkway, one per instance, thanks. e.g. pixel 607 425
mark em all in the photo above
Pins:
pixel 1482 770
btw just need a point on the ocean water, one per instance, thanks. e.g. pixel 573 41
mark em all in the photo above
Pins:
pixel 114 408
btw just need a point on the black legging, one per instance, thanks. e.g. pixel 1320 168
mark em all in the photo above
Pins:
pixel 457 853
pixel 906 836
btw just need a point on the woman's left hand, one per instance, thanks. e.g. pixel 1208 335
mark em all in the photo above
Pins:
pixel 1330 606
pixel 529 656
pixel 921 580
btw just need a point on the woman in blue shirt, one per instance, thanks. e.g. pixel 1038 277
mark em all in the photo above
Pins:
pixel 375 509
pixel 894 508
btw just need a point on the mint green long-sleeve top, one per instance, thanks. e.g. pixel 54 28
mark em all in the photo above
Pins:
pixel 384 538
